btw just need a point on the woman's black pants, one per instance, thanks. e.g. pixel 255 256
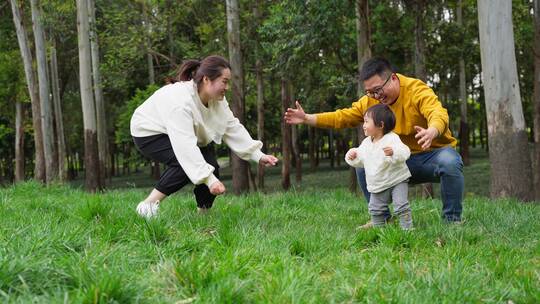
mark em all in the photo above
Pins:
pixel 158 148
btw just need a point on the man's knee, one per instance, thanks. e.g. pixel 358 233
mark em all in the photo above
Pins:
pixel 449 161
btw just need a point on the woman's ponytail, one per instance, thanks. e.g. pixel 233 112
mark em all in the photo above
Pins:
pixel 188 69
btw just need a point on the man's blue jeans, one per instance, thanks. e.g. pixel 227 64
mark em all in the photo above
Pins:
pixel 443 165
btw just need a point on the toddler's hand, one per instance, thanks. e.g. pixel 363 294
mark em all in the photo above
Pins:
pixel 351 154
pixel 388 151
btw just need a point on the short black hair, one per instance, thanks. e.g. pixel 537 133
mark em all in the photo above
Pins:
pixel 375 66
pixel 382 116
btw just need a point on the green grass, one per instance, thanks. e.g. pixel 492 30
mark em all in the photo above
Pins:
pixel 61 245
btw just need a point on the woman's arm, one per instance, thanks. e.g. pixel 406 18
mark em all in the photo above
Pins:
pixel 179 125
pixel 238 139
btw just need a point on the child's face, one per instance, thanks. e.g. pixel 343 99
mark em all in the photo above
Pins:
pixel 370 129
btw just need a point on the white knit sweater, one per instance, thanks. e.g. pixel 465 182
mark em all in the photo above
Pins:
pixel 382 172
pixel 177 110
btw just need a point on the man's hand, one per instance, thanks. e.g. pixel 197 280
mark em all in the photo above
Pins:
pixel 268 160
pixel 295 116
pixel 425 136
pixel 217 188
pixel 351 154
pixel 388 151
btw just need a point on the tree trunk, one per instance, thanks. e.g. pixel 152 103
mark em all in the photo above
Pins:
pixel 338 147
pixel 482 134
pixel 508 145
pixel 91 157
pixel 151 74
pixel 331 147
pixel 318 147
pixel 239 166
pixel 260 117
pixel 419 42
pixel 285 138
pixel 536 115
pixel 296 153
pixel 363 38
pixel 419 8
pixel 101 118
pixel 311 148
pixel 473 135
pixel 58 117
pixel 170 32
pixel 464 126
pixel 22 38
pixel 19 142
pixel 260 95
pixel 51 171
pixel 363 46
pixel 149 59
pixel 113 158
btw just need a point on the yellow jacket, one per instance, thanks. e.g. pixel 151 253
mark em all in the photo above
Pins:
pixel 417 105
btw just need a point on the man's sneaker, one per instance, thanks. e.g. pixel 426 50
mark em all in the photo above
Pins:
pixel 147 209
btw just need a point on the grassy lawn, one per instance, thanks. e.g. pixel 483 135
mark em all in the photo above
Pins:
pixel 61 245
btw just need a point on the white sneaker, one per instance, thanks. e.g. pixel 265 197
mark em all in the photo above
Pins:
pixel 148 210
pixel 203 211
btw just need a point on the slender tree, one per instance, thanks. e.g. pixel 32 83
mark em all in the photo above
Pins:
pixel 155 170
pixel 101 118
pixel 58 117
pixel 536 115
pixel 285 138
pixel 19 142
pixel 464 126
pixel 363 53
pixel 295 147
pixel 26 54
pixel 260 92
pixel 508 146
pixel 239 166
pixel 51 168
pixel 418 8
pixel 91 157
pixel 419 40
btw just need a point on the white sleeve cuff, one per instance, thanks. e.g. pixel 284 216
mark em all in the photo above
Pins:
pixel 357 162
pixel 210 180
pixel 256 156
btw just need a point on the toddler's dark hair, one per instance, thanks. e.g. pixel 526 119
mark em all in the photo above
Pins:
pixel 382 116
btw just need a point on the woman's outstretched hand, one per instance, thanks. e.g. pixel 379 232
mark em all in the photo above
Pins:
pixel 268 160
pixel 217 188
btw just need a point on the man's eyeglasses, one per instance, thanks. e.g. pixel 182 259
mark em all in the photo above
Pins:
pixel 379 90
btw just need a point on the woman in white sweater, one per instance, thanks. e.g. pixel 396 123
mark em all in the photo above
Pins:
pixel 383 156
pixel 176 125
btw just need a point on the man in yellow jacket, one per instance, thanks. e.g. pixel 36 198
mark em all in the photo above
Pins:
pixel 421 123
